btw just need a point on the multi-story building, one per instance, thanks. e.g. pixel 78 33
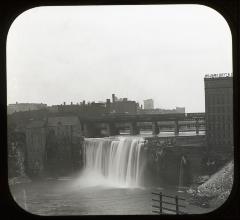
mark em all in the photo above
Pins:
pixel 219 110
pixel 148 104
pixel 52 144
pixel 22 107
pixel 122 105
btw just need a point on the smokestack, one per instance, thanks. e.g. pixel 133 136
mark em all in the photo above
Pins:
pixel 64 103
pixel 71 103
pixel 113 97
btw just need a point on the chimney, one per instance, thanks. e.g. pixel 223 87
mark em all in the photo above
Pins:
pixel 113 97
pixel 71 103
pixel 64 103
pixel 108 106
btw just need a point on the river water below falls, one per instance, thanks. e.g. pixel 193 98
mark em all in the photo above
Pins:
pixel 110 184
pixel 67 196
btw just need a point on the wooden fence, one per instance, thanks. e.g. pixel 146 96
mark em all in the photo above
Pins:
pixel 162 204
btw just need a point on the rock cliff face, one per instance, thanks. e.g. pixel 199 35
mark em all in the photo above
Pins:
pixel 164 156
pixel 174 161
pixel 166 163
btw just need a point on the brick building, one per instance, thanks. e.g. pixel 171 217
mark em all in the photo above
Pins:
pixel 23 107
pixel 123 106
pixel 53 145
pixel 219 110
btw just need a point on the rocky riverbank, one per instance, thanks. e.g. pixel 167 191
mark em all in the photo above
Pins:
pixel 215 191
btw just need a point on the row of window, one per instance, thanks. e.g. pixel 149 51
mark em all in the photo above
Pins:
pixel 225 98
pixel 221 132
pixel 220 142
pixel 219 109
pixel 212 134
pixel 217 123
pixel 219 136
pixel 219 118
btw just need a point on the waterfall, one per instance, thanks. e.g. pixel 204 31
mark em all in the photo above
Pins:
pixel 116 160
pixel 181 174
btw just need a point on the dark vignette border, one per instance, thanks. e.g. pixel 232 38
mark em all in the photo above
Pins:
pixel 10 9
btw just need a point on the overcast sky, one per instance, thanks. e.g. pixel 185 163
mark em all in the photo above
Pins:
pixel 57 54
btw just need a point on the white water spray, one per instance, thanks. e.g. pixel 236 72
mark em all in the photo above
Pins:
pixel 114 162
pixel 180 182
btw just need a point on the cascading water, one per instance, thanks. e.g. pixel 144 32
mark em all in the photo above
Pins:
pixel 181 174
pixel 117 161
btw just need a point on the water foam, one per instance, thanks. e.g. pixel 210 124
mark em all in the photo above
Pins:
pixel 112 162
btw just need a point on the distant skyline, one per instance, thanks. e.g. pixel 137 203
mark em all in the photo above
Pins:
pixel 159 52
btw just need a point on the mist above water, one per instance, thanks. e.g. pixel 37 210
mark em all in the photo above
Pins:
pixel 112 162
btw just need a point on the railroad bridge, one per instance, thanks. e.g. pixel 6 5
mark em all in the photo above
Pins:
pixel 111 124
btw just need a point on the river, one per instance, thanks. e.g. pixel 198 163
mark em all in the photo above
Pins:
pixel 92 193
pixel 62 197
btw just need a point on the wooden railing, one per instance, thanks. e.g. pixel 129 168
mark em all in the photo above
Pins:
pixel 161 208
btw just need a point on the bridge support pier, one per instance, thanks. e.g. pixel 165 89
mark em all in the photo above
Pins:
pixel 112 130
pixel 134 130
pixel 197 127
pixel 155 128
pixel 89 130
pixel 176 128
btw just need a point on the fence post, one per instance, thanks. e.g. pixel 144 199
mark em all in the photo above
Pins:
pixel 160 202
pixel 177 208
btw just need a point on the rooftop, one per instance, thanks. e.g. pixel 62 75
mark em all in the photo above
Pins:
pixel 64 120
pixel 219 75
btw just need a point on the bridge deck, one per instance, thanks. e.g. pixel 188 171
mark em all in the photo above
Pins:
pixel 144 117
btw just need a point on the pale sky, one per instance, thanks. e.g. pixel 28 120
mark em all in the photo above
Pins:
pixel 57 54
